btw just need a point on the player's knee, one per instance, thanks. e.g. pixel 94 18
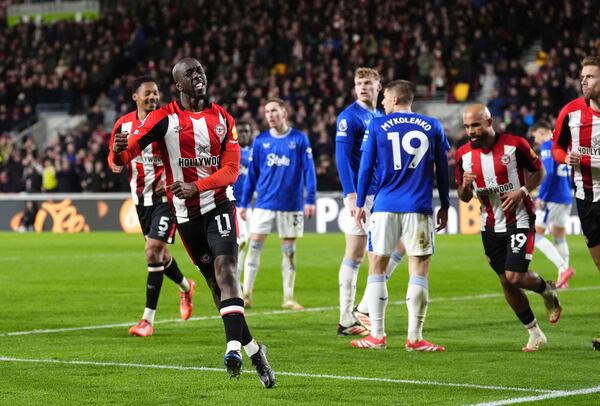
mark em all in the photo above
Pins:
pixel 288 248
pixel 514 278
pixel 155 253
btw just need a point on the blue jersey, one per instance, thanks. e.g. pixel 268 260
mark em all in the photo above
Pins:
pixel 351 126
pixel 556 187
pixel 238 186
pixel 403 148
pixel 281 167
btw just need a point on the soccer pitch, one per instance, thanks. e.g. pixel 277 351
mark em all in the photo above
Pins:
pixel 68 300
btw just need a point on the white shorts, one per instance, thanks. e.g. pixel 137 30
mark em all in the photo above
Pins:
pixel 348 224
pixel 417 231
pixel 553 214
pixel 290 224
pixel 242 226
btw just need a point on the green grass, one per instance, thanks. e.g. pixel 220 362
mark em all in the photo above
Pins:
pixel 52 281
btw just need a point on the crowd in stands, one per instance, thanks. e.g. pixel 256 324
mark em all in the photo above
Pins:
pixel 303 51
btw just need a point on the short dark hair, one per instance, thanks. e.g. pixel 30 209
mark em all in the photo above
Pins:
pixel 403 89
pixel 242 122
pixel 142 79
pixel 541 124
pixel 591 60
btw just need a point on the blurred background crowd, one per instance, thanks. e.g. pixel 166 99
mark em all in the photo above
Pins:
pixel 521 57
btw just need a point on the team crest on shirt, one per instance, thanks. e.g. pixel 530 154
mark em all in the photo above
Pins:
pixel 220 129
pixel 292 145
pixel 505 159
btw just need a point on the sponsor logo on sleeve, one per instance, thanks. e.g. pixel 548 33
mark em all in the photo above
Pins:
pixel 342 128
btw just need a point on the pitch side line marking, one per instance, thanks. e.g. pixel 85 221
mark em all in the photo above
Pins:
pixel 557 394
pixel 295 374
pixel 268 313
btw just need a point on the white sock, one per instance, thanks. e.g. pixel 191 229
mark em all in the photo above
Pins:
pixel 394 261
pixel 533 328
pixel 550 252
pixel 562 248
pixel 184 285
pixel 378 299
pixel 149 315
pixel 233 345
pixel 347 283
pixel 288 270
pixel 251 348
pixel 251 265
pixel 417 298
pixel 241 256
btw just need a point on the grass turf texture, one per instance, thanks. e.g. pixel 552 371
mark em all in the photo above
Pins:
pixel 52 281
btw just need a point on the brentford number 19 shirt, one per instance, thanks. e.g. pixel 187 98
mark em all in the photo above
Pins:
pixel 499 170
pixel 193 146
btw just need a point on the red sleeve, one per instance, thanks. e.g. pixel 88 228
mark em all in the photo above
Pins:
pixel 526 156
pixel 458 169
pixel 561 140
pixel 115 129
pixel 230 161
pixel 153 128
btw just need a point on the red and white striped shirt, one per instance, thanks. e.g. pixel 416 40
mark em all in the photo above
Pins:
pixel 498 171
pixel 578 129
pixel 196 147
pixel 146 170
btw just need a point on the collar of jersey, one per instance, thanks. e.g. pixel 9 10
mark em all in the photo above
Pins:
pixel 272 133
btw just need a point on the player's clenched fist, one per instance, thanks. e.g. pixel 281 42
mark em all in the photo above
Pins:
pixel 468 179
pixel 184 190
pixel 120 143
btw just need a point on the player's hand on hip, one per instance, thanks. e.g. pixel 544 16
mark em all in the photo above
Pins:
pixel 511 200
pixel 184 190
pixel 468 179
pixel 442 219
pixel 116 168
pixel 243 213
pixel 360 217
pixel 309 210
pixel 351 200
pixel 573 158
pixel 120 143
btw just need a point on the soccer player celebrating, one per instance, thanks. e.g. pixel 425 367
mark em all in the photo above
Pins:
pixel 244 130
pixel 197 140
pixel 553 206
pixel 500 170
pixel 406 151
pixel 577 143
pixel 147 182
pixel 281 170
pixel 351 125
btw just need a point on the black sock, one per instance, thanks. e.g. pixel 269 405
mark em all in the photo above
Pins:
pixel 172 271
pixel 153 285
pixel 542 287
pixel 246 336
pixel 232 312
pixel 526 316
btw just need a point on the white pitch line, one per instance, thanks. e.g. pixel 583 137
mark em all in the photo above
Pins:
pixel 267 313
pixel 281 373
pixel 70 257
pixel 557 394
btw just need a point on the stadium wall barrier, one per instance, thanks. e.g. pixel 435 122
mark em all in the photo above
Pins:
pixel 84 212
